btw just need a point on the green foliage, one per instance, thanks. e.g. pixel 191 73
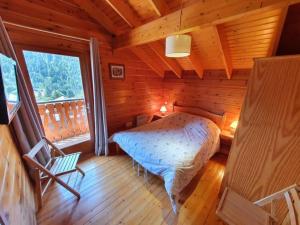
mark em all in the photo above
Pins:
pixel 54 76
pixel 9 78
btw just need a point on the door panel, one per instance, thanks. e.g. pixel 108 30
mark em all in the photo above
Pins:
pixel 60 83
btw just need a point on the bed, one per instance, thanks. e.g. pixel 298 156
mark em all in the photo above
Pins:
pixel 175 147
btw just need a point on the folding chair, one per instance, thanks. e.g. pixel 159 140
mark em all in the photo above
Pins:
pixel 59 164
pixel 233 209
pixel 291 196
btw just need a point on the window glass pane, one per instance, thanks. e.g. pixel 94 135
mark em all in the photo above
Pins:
pixel 8 72
pixel 54 77
pixel 9 78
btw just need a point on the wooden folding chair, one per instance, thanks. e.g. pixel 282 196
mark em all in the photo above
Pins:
pixel 59 164
pixel 233 209
pixel 291 196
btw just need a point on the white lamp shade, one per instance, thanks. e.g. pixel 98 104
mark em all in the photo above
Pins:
pixel 178 45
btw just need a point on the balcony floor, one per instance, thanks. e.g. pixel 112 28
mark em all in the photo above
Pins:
pixel 72 140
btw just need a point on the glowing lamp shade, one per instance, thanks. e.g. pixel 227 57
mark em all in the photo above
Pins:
pixel 234 124
pixel 163 109
pixel 178 46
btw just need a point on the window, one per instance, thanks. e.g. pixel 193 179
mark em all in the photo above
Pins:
pixel 54 77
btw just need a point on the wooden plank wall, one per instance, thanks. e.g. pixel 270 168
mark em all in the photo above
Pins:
pixel 16 195
pixel 215 92
pixel 265 157
pixel 140 92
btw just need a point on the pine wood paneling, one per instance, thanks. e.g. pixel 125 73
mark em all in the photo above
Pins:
pixel 100 11
pixel 185 63
pixel 215 92
pixel 205 44
pixel 112 193
pixel 265 156
pixel 144 9
pixel 49 19
pixel 251 37
pixel 140 92
pixel 192 20
pixel 160 7
pixel 16 195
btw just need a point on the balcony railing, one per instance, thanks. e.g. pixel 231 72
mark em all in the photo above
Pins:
pixel 64 119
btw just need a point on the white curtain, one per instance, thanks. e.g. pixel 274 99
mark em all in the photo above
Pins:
pixel 26 125
pixel 101 136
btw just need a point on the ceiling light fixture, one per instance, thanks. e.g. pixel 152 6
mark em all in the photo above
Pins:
pixel 178 45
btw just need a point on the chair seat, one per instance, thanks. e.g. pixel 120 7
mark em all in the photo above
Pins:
pixel 236 210
pixel 65 164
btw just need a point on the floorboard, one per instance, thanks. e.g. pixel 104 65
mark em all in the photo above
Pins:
pixel 112 193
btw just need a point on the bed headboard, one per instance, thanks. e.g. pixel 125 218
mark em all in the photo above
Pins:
pixel 218 119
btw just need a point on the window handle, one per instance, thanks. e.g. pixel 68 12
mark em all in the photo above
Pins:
pixel 87 106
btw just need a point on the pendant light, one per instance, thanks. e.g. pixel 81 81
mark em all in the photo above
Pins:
pixel 178 45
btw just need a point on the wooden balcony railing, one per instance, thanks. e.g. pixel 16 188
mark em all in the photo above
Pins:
pixel 64 119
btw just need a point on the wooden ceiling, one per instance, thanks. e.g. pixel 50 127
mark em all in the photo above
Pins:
pixel 226 34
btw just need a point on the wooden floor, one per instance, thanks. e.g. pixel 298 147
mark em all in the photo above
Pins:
pixel 112 193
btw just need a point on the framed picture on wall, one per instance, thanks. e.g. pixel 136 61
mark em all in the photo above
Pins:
pixel 116 71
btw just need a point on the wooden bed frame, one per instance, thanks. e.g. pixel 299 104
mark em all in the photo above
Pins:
pixel 218 119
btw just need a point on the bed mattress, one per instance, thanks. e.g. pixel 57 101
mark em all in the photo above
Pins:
pixel 175 147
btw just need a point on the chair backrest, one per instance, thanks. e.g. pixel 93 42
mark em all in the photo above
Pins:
pixel 291 196
pixel 293 203
pixel 37 148
pixel 31 158
pixel 45 144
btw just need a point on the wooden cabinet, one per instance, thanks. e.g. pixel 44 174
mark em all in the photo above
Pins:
pixel 265 155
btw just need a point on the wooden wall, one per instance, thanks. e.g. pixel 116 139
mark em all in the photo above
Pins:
pixel 140 92
pixel 215 92
pixel 16 196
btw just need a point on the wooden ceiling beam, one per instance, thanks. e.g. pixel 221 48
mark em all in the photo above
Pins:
pixel 160 7
pixel 194 17
pixel 224 49
pixel 133 20
pixel 93 10
pixel 196 62
pixel 172 64
pixel 148 60
pixel 124 11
